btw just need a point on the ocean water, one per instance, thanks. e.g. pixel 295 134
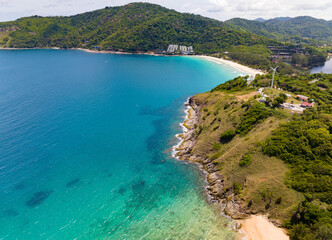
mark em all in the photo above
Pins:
pixel 85 147
pixel 326 68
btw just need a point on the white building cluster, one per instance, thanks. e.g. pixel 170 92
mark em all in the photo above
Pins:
pixel 180 50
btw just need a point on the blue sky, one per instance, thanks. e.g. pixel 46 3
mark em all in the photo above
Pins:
pixel 217 9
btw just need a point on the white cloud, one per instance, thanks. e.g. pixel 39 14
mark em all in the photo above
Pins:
pixel 218 9
pixel 268 9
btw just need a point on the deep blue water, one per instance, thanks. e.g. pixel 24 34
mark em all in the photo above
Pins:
pixel 85 143
pixel 326 68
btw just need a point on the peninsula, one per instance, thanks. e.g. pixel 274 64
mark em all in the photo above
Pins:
pixel 262 158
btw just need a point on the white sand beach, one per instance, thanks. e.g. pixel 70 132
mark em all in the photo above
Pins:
pixel 258 227
pixel 241 67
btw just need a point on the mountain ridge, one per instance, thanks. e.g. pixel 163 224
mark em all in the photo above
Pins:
pixel 133 27
pixel 295 29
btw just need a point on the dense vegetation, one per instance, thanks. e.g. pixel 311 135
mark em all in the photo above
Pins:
pixel 305 145
pixel 133 27
pixel 144 27
pixel 233 85
pixel 259 56
pixel 254 115
pixel 296 30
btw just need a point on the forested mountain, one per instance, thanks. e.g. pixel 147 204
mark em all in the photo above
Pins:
pixel 295 30
pixel 145 27
pixel 133 27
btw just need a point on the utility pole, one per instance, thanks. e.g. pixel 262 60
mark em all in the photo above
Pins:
pixel 274 72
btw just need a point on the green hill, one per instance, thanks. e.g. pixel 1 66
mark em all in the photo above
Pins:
pixel 133 27
pixel 296 30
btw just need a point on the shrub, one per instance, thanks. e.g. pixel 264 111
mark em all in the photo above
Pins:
pixel 237 188
pixel 227 136
pixel 277 101
pixel 245 160
pixel 279 199
pixel 283 96
pixel 216 146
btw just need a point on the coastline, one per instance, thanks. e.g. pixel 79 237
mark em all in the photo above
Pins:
pixel 258 227
pixel 249 70
pixel 248 226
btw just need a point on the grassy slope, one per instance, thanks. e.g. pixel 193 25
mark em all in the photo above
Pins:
pixel 265 175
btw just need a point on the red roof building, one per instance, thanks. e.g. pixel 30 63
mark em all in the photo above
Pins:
pixel 302 97
pixel 306 105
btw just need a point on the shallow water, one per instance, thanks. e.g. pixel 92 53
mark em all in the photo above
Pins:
pixel 85 147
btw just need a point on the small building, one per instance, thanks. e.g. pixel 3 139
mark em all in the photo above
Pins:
pixel 172 48
pixel 180 49
pixel 304 98
pixel 262 100
pixel 306 105
pixel 288 95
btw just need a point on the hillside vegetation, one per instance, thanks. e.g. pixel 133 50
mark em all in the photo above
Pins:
pixel 145 27
pixel 272 161
pixel 296 30
pixel 134 27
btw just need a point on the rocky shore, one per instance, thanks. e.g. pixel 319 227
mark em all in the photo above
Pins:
pixel 225 197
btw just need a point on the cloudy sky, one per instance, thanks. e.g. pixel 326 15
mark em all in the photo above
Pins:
pixel 218 9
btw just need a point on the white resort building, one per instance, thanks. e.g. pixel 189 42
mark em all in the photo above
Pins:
pixel 175 49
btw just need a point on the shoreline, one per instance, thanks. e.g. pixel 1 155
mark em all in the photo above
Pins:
pixel 182 151
pixel 258 227
pixel 247 225
pixel 238 66
pixel 243 68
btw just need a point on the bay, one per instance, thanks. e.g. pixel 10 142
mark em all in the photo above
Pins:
pixel 85 147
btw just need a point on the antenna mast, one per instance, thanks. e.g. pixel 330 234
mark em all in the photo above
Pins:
pixel 274 71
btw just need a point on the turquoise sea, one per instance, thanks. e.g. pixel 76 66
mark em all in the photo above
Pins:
pixel 85 147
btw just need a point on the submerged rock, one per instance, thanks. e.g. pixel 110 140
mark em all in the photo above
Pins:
pixel 10 213
pixel 38 198
pixel 72 182
pixel 19 186
pixel 122 190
